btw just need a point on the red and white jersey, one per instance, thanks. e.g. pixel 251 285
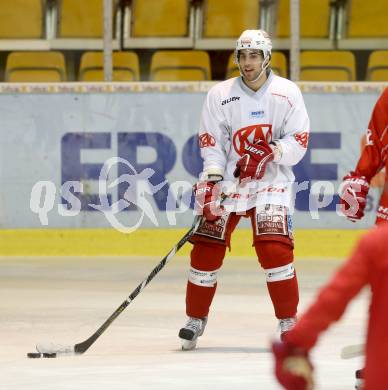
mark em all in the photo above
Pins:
pixel 233 114
pixel 374 156
pixel 367 266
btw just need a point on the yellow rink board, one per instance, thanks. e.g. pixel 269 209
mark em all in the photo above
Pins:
pixel 158 242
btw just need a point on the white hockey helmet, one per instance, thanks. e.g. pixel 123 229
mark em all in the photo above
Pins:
pixel 254 40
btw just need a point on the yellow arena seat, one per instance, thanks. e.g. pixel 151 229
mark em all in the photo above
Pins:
pixel 160 18
pixel 378 66
pixel 181 65
pixel 228 18
pixel 21 19
pixel 125 66
pixel 32 66
pixel 314 19
pixel 231 68
pixel 80 19
pixel 278 65
pixel 367 19
pixel 327 66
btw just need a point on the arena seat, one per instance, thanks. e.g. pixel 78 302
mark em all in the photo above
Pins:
pixel 363 25
pixel 80 19
pixel 278 65
pixel 228 18
pixel 33 66
pixel 378 66
pixel 180 65
pixel 314 19
pixel 367 19
pixel 21 19
pixel 327 66
pixel 160 18
pixel 125 66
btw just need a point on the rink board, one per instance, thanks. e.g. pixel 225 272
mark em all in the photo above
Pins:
pixel 329 243
pixel 65 132
pixel 57 137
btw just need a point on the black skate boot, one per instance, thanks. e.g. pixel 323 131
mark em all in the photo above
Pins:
pixel 359 379
pixel 191 331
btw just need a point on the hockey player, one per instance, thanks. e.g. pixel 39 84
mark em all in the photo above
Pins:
pixel 373 158
pixel 367 266
pixel 253 129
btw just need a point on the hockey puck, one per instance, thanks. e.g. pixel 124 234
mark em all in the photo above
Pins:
pixel 37 355
pixel 34 355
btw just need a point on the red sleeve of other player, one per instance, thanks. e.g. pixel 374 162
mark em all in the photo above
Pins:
pixel 333 298
pixel 374 154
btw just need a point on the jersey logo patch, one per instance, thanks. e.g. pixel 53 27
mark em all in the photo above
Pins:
pixel 271 219
pixel 251 134
pixel 206 140
pixel 257 114
pixel 368 138
pixel 302 139
pixel 231 99
pixel 384 142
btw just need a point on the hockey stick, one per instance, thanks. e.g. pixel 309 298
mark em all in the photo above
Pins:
pixel 352 351
pixel 51 350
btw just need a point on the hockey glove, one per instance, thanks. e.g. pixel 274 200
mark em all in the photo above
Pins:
pixel 293 368
pixel 206 196
pixel 354 190
pixel 254 161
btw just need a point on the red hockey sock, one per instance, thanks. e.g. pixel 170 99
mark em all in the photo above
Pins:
pixel 285 297
pixel 277 260
pixel 206 259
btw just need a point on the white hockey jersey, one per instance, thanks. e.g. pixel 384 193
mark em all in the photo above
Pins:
pixel 233 114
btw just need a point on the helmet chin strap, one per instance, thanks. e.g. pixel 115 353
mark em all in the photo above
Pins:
pixel 264 66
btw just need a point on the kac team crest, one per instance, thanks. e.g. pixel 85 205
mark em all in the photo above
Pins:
pixel 251 133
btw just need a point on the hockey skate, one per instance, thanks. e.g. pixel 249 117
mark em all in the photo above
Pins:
pixel 359 379
pixel 285 325
pixel 191 331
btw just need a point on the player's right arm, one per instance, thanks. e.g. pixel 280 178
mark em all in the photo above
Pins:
pixel 214 140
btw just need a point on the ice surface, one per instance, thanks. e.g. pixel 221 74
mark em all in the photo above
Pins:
pixel 65 300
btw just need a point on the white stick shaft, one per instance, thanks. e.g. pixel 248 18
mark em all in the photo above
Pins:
pixel 352 351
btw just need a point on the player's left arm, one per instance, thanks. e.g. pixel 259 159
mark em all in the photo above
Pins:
pixel 355 185
pixel 333 298
pixel 290 148
pixel 374 154
pixel 293 367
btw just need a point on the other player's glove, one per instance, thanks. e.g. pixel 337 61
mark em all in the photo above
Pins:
pixel 354 190
pixel 293 368
pixel 206 195
pixel 254 161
